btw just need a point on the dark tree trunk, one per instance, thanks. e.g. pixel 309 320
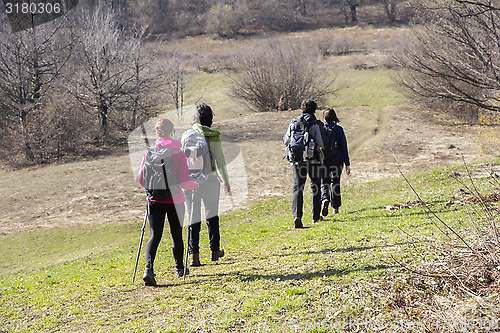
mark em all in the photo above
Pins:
pixel 354 15
pixel 28 151
pixel 103 114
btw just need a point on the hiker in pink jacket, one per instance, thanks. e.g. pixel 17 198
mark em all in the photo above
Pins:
pixel 172 208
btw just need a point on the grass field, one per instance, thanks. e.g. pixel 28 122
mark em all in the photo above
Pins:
pixel 273 278
pixel 69 232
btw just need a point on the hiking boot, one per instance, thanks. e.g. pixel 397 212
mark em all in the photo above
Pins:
pixel 180 272
pixel 298 223
pixel 217 254
pixel 318 220
pixel 195 260
pixel 335 211
pixel 149 277
pixel 324 209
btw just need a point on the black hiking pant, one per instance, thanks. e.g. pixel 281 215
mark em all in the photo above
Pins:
pixel 300 172
pixel 209 193
pixel 156 216
pixel 330 185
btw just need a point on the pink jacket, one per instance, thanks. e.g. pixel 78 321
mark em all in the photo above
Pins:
pixel 181 169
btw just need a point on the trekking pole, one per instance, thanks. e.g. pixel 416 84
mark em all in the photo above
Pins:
pixel 189 233
pixel 140 243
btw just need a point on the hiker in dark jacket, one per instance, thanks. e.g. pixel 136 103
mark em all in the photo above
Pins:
pixel 330 185
pixel 173 209
pixel 203 148
pixel 311 166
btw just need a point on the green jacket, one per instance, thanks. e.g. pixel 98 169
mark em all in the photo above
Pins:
pixel 215 147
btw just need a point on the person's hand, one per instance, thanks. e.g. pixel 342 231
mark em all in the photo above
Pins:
pixel 227 189
pixel 348 170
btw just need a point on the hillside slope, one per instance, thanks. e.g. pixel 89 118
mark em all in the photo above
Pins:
pixel 104 190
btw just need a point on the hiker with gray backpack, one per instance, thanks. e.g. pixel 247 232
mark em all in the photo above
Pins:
pixel 336 156
pixel 163 173
pixel 203 148
pixel 304 142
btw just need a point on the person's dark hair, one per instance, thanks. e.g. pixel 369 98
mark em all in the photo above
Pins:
pixel 164 128
pixel 204 115
pixel 308 106
pixel 330 116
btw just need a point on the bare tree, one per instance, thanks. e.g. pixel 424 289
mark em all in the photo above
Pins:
pixel 353 6
pixel 178 78
pixel 108 73
pixel 351 9
pixel 390 7
pixel 30 61
pixel 144 97
pixel 456 57
pixel 278 76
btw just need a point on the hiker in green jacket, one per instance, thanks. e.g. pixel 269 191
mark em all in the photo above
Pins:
pixel 203 148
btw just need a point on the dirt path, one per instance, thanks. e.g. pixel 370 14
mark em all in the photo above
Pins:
pixel 104 190
pixel 375 136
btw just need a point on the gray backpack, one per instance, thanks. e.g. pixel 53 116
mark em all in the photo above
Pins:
pixel 199 159
pixel 301 146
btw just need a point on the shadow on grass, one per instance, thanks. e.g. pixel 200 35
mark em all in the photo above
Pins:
pixel 343 250
pixel 245 277
pixel 362 210
pixel 356 248
pixel 437 206
pixel 294 276
pixel 312 275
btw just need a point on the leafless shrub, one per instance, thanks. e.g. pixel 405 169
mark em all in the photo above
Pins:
pixel 188 23
pixel 386 61
pixel 227 19
pixel 228 61
pixel 342 44
pixel 455 57
pixel 462 264
pixel 278 76
pixel 61 129
pixel 322 44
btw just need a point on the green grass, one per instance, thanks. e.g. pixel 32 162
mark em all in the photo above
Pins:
pixel 358 88
pixel 214 89
pixel 273 277
pixel 58 245
pixel 354 88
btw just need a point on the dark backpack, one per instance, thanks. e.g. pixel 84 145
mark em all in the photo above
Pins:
pixel 299 140
pixel 331 147
pixel 159 177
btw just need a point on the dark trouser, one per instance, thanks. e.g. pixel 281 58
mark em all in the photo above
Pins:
pixel 157 212
pixel 300 172
pixel 209 192
pixel 330 185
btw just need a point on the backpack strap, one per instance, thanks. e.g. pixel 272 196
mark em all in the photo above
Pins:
pixel 301 119
pixel 212 163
